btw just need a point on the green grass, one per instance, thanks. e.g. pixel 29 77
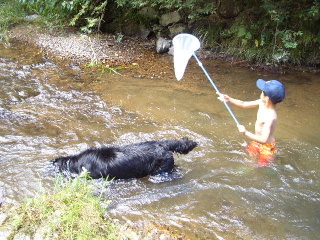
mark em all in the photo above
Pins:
pixel 11 13
pixel 105 68
pixel 72 211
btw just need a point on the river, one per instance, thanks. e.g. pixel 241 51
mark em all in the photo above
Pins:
pixel 50 109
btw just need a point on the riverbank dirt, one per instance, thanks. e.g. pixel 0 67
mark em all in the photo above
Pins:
pixel 135 57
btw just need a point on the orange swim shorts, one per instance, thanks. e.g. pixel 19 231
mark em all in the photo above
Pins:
pixel 265 153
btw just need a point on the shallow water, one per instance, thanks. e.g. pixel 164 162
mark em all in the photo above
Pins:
pixel 50 109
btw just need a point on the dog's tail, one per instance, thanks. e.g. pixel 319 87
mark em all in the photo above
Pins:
pixel 182 146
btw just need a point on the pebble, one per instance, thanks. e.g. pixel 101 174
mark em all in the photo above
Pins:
pixel 81 48
pixel 3 218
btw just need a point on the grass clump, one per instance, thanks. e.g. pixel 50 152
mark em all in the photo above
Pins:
pixel 11 13
pixel 105 68
pixel 72 211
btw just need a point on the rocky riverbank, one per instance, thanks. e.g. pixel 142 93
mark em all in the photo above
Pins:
pixel 137 56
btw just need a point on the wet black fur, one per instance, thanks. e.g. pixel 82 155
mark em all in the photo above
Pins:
pixel 123 162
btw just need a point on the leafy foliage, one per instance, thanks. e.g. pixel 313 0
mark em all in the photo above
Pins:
pixel 284 31
pixel 86 14
pixel 192 8
pixel 11 13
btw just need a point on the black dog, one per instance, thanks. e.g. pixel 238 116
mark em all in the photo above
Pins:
pixel 123 162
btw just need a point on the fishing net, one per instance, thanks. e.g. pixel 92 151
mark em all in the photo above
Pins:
pixel 184 46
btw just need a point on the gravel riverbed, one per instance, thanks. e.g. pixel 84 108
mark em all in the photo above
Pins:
pixel 137 55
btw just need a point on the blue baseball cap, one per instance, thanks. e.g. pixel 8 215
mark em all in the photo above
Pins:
pixel 274 89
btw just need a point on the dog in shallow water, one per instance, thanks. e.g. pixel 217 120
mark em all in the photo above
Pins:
pixel 129 161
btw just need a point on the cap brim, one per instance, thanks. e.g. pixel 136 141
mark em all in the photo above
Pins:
pixel 261 84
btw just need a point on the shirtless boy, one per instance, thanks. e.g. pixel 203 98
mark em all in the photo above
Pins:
pixel 263 145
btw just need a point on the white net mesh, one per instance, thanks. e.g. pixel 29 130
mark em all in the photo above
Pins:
pixel 184 46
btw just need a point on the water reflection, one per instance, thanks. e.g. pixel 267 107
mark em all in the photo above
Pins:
pixel 49 109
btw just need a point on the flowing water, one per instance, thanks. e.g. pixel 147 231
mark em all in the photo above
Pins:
pixel 50 109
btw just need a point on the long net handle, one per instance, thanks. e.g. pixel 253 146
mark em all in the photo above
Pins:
pixel 215 88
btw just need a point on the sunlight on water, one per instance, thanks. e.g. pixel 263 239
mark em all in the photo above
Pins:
pixel 49 110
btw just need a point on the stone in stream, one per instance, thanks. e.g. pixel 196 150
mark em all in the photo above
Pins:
pixel 163 45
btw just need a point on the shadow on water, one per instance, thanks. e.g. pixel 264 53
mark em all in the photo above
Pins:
pixel 49 110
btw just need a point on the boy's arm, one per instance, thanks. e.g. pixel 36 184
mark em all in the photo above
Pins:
pixel 237 102
pixel 265 134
